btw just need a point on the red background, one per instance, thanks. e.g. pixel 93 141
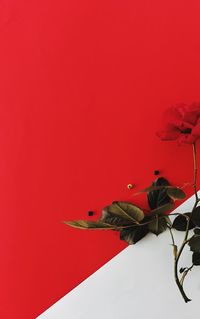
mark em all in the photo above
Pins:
pixel 83 86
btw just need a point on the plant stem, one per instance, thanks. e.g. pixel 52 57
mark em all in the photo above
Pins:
pixel 185 273
pixel 195 171
pixel 172 236
pixel 186 240
pixel 180 286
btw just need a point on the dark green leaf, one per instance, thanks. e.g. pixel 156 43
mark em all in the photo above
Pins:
pixel 197 231
pixel 196 216
pixel 180 222
pixel 196 259
pixel 176 193
pixel 162 209
pixel 158 197
pixel 158 224
pixel 133 234
pixel 126 211
pixel 194 243
pixel 83 224
pixel 153 188
pixel 112 219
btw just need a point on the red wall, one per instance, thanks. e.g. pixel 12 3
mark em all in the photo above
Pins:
pixel 83 86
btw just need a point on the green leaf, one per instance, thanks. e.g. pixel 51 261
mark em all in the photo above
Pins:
pixel 162 209
pixel 180 222
pixel 196 216
pixel 158 224
pixel 83 224
pixel 153 188
pixel 176 193
pixel 157 193
pixel 133 234
pixel 196 259
pixel 125 210
pixel 112 219
pixel 194 243
pixel 197 231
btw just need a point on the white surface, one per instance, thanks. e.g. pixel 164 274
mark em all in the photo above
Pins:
pixel 137 283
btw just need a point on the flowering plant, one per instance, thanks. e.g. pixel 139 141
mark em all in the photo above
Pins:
pixel 182 123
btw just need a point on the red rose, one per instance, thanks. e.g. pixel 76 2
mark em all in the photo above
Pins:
pixel 182 123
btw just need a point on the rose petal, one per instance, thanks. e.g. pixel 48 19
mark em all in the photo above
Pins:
pixel 189 113
pixel 169 133
pixel 181 122
pixel 172 116
pixel 187 139
pixel 196 130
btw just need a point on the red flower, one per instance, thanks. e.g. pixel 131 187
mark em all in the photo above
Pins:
pixel 182 123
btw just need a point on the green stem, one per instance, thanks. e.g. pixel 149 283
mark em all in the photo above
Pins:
pixel 195 171
pixel 185 273
pixel 186 240
pixel 180 286
pixel 177 255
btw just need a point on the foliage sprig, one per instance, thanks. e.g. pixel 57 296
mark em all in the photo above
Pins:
pixel 182 123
